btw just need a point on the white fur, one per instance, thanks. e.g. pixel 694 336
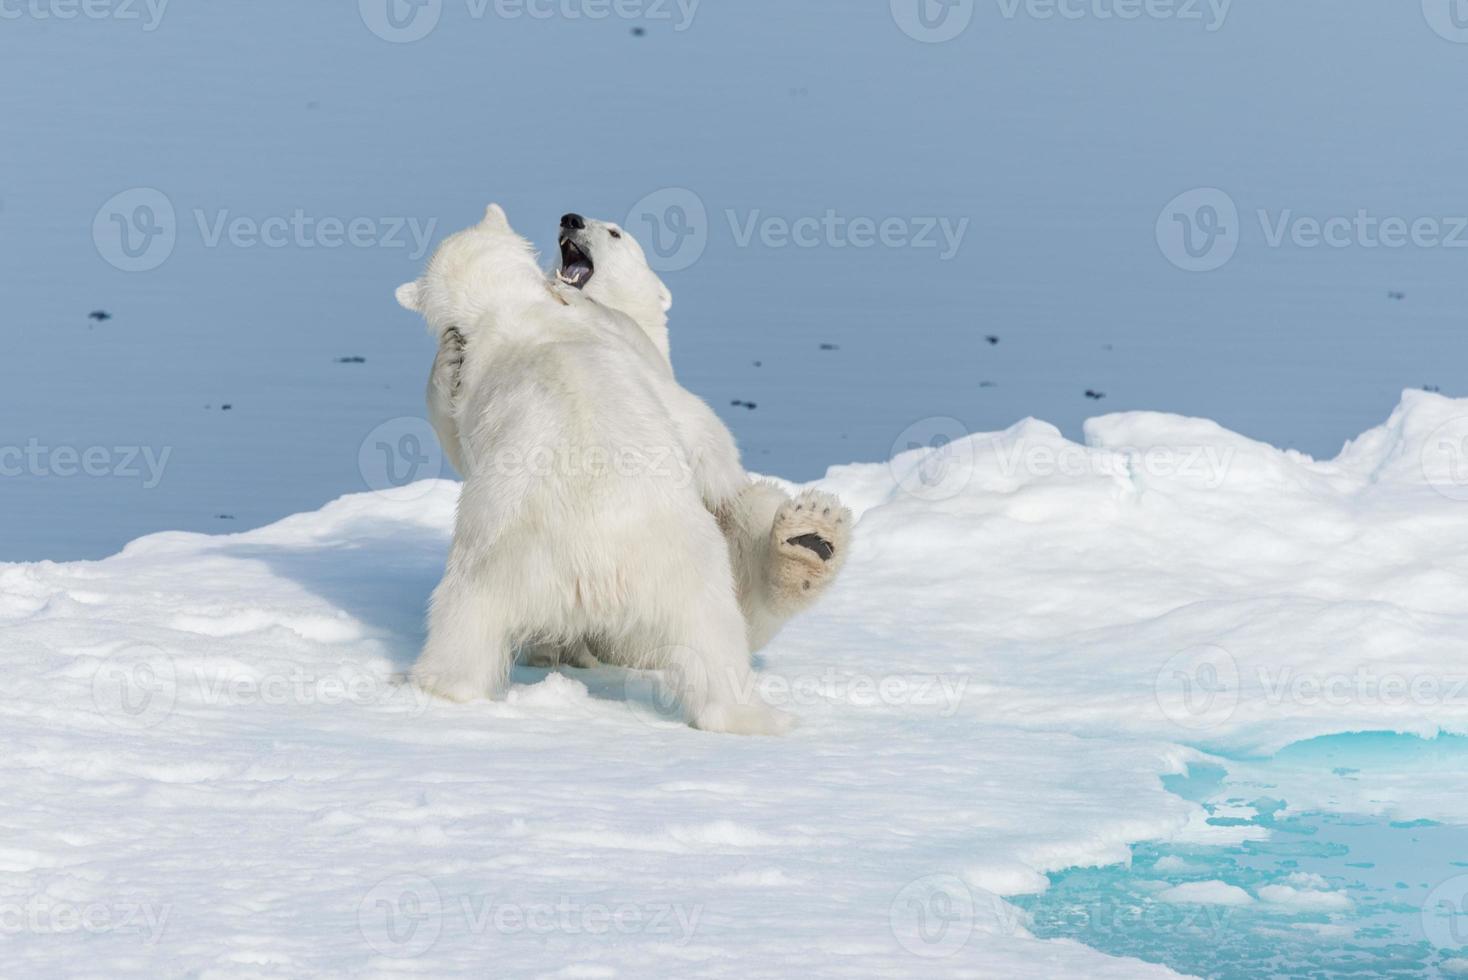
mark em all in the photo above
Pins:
pixel 774 579
pixel 557 537
pixel 624 281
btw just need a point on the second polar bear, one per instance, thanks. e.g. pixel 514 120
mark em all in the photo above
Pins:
pixel 784 552
pixel 578 548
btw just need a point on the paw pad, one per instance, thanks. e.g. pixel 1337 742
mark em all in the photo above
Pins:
pixel 823 548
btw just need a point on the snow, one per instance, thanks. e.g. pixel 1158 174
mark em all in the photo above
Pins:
pixel 213 766
pixel 1176 580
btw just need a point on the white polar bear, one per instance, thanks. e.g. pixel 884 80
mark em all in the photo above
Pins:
pixel 566 528
pixel 784 552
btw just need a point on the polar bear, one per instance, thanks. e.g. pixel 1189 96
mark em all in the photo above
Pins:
pixel 784 552
pixel 565 527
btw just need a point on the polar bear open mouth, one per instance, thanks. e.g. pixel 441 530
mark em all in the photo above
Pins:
pixel 576 266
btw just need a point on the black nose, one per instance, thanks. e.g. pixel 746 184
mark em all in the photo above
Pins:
pixel 573 222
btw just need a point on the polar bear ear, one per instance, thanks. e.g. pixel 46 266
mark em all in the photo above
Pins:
pixel 495 217
pixel 408 298
pixel 665 297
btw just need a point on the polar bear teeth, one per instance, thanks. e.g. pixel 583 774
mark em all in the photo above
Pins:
pixel 576 266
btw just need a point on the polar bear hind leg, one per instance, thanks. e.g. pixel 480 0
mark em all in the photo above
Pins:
pixel 471 642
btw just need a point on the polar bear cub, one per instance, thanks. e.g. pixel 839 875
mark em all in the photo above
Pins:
pixel 784 552
pixel 565 528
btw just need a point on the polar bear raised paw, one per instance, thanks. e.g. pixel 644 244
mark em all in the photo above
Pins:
pixel 808 544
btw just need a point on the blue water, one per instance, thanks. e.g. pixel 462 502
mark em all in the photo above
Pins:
pixel 1406 880
pixel 1058 140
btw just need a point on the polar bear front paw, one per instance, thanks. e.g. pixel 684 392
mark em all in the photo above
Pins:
pixel 808 543
pixel 448 368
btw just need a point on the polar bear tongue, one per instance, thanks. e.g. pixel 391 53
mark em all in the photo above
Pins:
pixel 576 267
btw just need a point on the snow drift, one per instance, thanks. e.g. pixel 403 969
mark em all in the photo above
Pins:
pixel 211 766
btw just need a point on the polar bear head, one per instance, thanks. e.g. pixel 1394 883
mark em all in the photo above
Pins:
pixel 607 264
pixel 483 269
